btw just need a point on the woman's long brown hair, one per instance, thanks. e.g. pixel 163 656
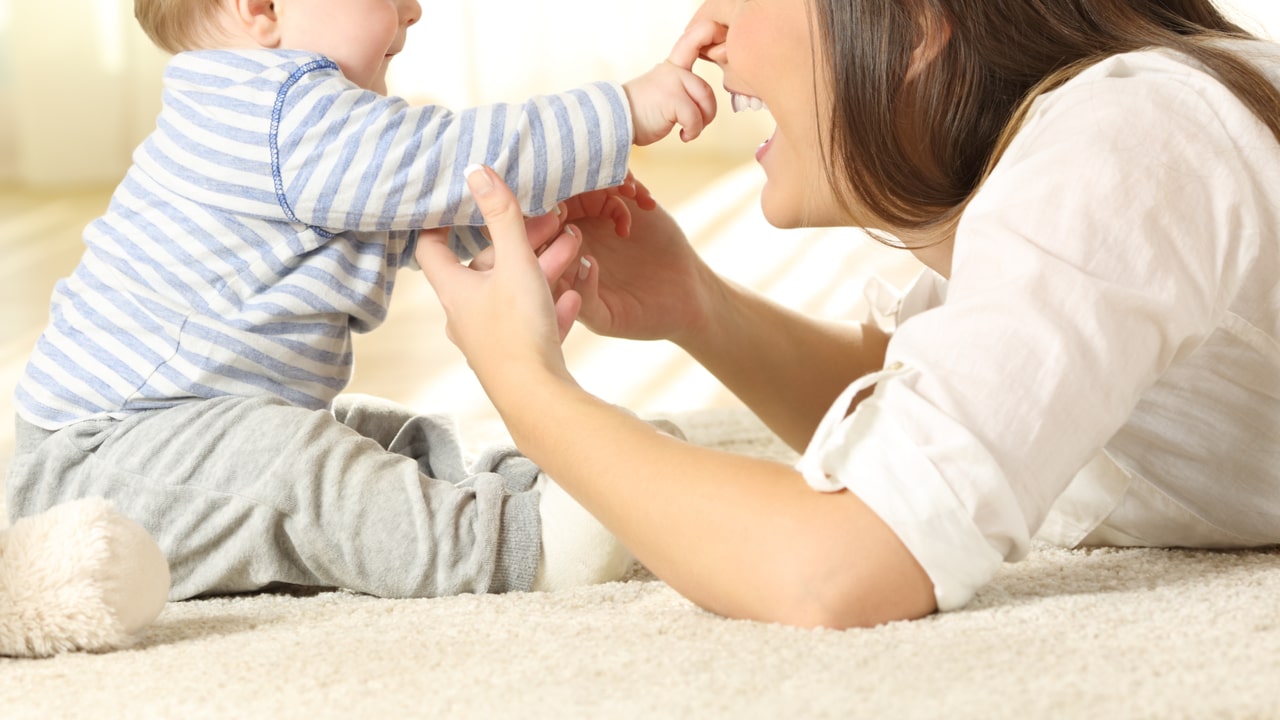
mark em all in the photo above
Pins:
pixel 912 148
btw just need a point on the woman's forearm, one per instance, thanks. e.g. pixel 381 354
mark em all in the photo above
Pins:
pixel 785 366
pixel 788 368
pixel 740 536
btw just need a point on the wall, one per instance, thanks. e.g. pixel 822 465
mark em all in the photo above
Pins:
pixel 79 89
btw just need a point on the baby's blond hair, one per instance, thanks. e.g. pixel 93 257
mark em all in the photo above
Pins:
pixel 178 25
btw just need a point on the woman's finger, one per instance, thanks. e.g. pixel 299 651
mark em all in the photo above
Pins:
pixel 434 256
pixel 587 282
pixel 482 260
pixel 541 231
pixel 568 305
pixel 559 258
pixel 501 213
pixel 544 228
pixel 587 286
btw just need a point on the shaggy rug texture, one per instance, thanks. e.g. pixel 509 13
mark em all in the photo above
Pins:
pixel 1064 634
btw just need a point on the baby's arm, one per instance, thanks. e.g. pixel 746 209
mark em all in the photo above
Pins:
pixel 670 94
pixel 384 165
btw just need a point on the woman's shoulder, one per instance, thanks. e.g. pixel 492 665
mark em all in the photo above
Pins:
pixel 1152 98
pixel 1130 159
pixel 1152 63
pixel 1147 80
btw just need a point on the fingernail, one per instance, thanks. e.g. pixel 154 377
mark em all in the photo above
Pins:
pixel 572 230
pixel 478 180
pixel 584 268
pixel 560 208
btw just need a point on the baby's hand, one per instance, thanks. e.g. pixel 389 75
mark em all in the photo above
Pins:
pixel 608 203
pixel 670 94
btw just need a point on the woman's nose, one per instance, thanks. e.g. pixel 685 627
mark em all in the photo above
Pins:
pixel 410 11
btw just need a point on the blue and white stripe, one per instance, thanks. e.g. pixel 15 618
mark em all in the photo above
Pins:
pixel 265 218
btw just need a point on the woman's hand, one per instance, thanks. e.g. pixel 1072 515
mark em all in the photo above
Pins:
pixel 649 286
pixel 500 311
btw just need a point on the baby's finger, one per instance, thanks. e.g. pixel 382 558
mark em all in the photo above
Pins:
pixel 689 116
pixel 699 34
pixel 628 186
pixel 616 209
pixel 701 93
pixel 644 199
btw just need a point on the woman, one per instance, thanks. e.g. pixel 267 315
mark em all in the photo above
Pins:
pixel 1092 356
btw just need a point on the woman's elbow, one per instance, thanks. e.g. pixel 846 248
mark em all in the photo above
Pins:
pixel 846 585
pixel 854 599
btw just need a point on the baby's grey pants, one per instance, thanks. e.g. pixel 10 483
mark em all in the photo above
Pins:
pixel 242 493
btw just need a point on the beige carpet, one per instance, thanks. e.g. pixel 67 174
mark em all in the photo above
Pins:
pixel 1102 634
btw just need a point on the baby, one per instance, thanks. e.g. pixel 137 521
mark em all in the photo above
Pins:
pixel 192 366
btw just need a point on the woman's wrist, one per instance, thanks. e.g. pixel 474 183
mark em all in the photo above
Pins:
pixel 715 297
pixel 516 383
pixel 537 405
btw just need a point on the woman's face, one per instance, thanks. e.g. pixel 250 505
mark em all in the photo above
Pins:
pixel 768 61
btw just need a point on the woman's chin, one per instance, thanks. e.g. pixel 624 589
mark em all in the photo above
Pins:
pixel 779 220
pixel 779 212
pixel 813 208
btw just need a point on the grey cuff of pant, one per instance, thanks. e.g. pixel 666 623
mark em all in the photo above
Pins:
pixel 519 544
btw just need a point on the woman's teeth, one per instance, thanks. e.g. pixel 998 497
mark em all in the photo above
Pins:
pixel 746 102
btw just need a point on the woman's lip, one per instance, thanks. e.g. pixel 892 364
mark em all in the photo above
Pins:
pixel 764 148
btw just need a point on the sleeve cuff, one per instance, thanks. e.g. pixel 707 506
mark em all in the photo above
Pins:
pixel 618 132
pixel 871 456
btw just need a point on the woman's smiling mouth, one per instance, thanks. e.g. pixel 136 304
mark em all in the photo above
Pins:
pixel 741 102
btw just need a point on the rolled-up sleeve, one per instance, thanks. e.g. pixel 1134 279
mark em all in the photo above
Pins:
pixel 859 451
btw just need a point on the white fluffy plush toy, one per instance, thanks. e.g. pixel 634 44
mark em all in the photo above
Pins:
pixel 79 576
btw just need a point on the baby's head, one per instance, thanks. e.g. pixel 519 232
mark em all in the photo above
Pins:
pixel 178 25
pixel 361 36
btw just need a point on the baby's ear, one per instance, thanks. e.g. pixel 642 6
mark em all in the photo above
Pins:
pixel 259 20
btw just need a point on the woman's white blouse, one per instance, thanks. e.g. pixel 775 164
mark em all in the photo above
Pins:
pixel 1110 333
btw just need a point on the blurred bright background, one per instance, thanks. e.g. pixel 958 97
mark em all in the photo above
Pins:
pixel 79 82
